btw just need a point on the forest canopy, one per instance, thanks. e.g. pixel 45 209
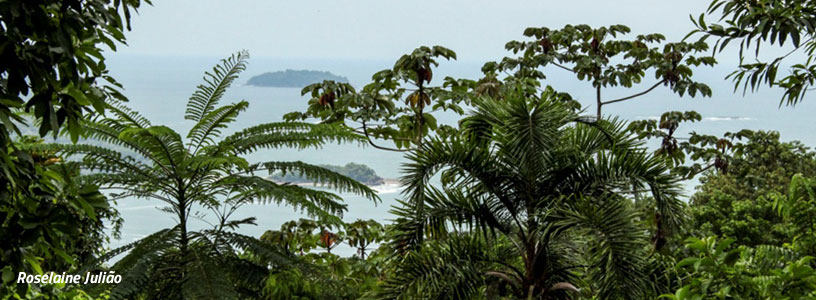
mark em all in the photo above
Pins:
pixel 530 193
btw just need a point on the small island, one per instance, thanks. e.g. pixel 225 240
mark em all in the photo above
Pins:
pixel 293 78
pixel 359 172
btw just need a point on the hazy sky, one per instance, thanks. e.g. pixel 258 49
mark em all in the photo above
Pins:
pixel 380 29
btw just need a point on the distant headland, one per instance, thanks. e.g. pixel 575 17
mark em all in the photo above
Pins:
pixel 293 78
pixel 359 172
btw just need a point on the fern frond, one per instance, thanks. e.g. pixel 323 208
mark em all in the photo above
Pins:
pixel 164 144
pixel 211 124
pixel 206 97
pixel 136 278
pixel 110 135
pixel 273 255
pixel 97 158
pixel 128 116
pixel 319 175
pixel 289 135
pixel 320 204
pixel 204 278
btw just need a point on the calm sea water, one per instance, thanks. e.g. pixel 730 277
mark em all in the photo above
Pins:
pixel 159 87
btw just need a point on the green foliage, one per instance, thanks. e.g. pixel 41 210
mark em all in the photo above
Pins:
pixel 54 224
pixel 665 129
pixel 51 70
pixel 717 270
pixel 598 56
pixel 738 202
pixel 205 171
pixel 798 208
pixel 756 23
pixel 697 153
pixel 362 234
pixel 332 276
pixel 53 55
pixel 375 111
pixel 530 176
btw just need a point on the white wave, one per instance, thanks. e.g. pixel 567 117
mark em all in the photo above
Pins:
pixel 387 188
pixel 713 119
pixel 727 119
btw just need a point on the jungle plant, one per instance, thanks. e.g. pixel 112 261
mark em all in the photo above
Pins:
pixel 205 171
pixel 399 104
pixel 719 270
pixel 753 24
pixel 798 208
pixel 335 277
pixel 598 56
pixel 361 234
pixel 52 71
pixel 738 202
pixel 533 197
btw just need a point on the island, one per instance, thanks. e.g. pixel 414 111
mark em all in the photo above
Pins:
pixel 359 172
pixel 293 78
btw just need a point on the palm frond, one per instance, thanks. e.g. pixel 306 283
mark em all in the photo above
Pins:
pixel 441 270
pixel 273 255
pixel 615 249
pixel 136 278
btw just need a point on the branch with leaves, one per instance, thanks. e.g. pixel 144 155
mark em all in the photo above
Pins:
pixel 398 106
pixel 599 56
pixel 753 24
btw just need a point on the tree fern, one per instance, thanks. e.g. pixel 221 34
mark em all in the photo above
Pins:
pixel 139 159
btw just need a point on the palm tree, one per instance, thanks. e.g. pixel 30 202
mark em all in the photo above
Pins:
pixel 205 171
pixel 533 203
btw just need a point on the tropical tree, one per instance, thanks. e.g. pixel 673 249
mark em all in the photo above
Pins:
pixel 59 230
pixel 361 234
pixel 769 23
pixel 603 58
pixel 336 277
pixel 376 112
pixel 532 204
pixel 52 72
pixel 737 201
pixel 205 171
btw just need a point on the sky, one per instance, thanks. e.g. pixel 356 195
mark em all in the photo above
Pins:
pixel 379 29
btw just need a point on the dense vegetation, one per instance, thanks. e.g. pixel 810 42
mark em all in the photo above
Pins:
pixel 293 78
pixel 526 197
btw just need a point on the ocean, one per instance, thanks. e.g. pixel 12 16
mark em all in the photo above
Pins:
pixel 158 87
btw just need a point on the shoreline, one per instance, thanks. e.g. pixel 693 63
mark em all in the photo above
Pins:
pixel 389 185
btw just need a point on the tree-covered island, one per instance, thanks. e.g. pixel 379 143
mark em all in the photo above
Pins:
pixel 293 78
